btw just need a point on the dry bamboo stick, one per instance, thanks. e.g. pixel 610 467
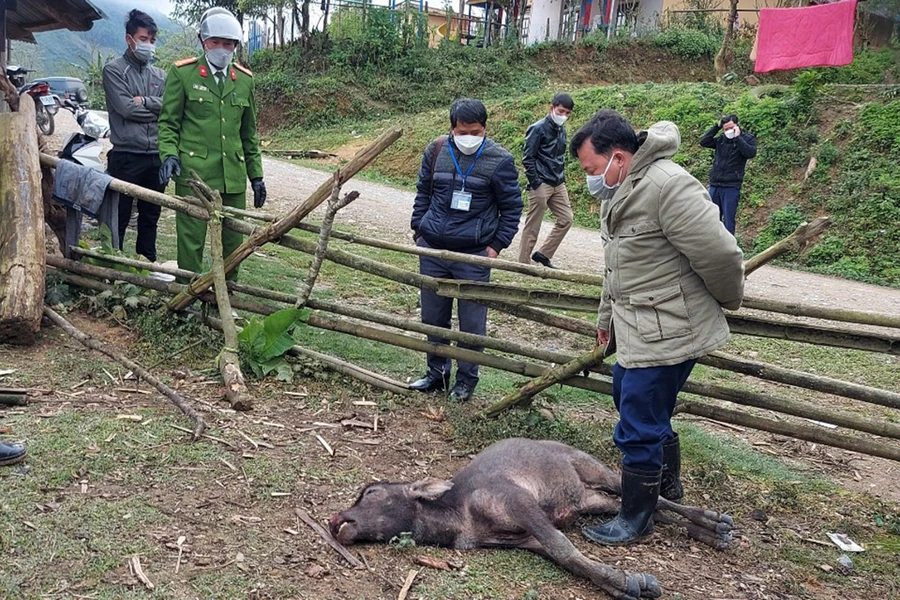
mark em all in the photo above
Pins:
pixel 355 371
pixel 529 369
pixel 802 237
pixel 94 344
pixel 819 383
pixel 229 361
pixel 716 360
pixel 276 230
pixel 794 430
pixel 821 312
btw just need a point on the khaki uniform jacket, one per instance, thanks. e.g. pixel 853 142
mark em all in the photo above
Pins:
pixel 671 265
pixel 212 132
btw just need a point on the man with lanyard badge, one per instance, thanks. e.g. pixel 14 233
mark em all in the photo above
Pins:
pixel 467 200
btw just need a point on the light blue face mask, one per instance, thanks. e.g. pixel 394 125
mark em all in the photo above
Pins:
pixel 597 186
pixel 219 57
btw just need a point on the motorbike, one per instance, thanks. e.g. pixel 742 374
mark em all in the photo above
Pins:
pixel 85 147
pixel 46 104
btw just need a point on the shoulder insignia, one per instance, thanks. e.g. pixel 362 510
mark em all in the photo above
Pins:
pixel 243 69
pixel 185 61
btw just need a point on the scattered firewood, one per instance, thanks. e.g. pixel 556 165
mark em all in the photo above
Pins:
pixel 316 154
pixel 134 565
pixel 94 344
pixel 410 577
pixel 432 563
pixel 327 447
pixel 360 424
pixel 304 516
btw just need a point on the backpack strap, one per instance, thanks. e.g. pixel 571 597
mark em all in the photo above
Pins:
pixel 438 146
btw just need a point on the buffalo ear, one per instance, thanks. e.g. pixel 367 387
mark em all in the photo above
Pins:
pixel 429 488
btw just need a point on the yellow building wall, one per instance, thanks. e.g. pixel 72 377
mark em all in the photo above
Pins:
pixel 748 10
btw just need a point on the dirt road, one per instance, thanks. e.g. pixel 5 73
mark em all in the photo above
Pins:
pixel 383 211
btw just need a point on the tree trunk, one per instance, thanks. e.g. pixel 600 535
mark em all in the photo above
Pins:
pixel 22 270
pixel 726 53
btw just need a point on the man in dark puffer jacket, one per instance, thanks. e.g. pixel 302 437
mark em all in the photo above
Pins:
pixel 733 149
pixel 468 200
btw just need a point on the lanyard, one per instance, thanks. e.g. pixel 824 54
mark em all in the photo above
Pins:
pixel 472 166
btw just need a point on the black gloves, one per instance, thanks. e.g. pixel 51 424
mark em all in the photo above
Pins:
pixel 171 166
pixel 259 192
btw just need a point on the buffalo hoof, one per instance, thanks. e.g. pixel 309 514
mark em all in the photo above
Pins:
pixel 641 585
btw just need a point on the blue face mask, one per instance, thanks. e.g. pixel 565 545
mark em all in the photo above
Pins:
pixel 597 186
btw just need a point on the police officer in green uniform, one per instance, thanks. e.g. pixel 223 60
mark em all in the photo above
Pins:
pixel 208 124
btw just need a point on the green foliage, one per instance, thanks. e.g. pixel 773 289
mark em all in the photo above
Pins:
pixel 107 248
pixel 880 124
pixel 782 223
pixel 264 342
pixel 688 43
pixel 404 541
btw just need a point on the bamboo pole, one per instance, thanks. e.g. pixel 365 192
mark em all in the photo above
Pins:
pixel 794 430
pixel 278 229
pixel 819 383
pixel 821 312
pixel 797 241
pixel 804 410
pixel 838 337
pixel 94 344
pixel 88 281
pixel 716 359
pixel 228 361
pixel 136 191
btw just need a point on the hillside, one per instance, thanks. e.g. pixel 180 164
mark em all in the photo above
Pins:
pixel 851 130
pixel 66 52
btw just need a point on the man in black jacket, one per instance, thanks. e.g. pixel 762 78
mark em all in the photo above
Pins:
pixel 468 200
pixel 544 162
pixel 733 148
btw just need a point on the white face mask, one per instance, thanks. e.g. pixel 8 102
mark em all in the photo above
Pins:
pixel 219 57
pixel 730 134
pixel 558 119
pixel 597 186
pixel 468 144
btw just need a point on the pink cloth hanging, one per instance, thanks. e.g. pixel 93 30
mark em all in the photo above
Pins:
pixel 810 36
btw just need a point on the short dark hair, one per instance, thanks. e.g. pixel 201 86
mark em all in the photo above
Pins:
pixel 468 110
pixel 732 117
pixel 137 19
pixel 607 131
pixel 564 100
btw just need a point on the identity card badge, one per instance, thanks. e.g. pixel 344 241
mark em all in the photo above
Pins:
pixel 461 200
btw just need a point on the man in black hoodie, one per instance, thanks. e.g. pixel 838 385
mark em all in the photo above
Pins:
pixel 733 149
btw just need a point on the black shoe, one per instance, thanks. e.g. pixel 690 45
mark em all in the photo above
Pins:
pixel 430 382
pixel 540 258
pixel 10 454
pixel 670 486
pixel 462 392
pixel 640 493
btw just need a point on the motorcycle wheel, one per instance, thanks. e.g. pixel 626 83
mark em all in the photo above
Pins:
pixel 44 119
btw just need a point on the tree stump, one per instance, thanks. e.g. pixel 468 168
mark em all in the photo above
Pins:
pixel 22 267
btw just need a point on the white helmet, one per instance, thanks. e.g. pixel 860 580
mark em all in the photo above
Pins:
pixel 219 22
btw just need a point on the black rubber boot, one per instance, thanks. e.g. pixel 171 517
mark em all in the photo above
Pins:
pixel 640 492
pixel 670 486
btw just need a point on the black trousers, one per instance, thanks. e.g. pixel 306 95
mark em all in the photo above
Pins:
pixel 142 170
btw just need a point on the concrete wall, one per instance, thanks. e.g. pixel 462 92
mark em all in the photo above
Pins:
pixel 541 11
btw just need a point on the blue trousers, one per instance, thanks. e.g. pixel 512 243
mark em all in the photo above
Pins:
pixel 438 311
pixel 726 198
pixel 645 399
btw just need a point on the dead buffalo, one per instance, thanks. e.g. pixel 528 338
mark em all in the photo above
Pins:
pixel 517 493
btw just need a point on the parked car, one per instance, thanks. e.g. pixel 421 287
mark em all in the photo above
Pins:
pixel 68 88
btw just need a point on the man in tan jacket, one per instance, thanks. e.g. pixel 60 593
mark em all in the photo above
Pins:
pixel 671 267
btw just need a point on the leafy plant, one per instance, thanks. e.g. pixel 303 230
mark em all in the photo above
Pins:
pixel 107 248
pixel 404 541
pixel 264 342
